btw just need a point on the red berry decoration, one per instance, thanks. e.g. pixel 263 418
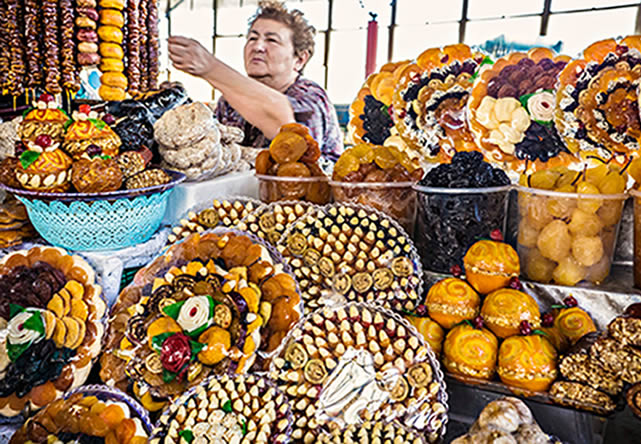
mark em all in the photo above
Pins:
pixel 85 109
pixel 19 149
pixel 496 235
pixel 421 310
pixel 44 140
pixel 547 320
pixel 478 322
pixel 570 302
pixel 93 150
pixel 109 119
pixel 515 284
pixel 456 270
pixel 525 328
pixel 46 98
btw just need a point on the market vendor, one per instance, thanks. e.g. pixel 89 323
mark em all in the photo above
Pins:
pixel 274 92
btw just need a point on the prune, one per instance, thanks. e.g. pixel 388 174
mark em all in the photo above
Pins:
pixel 526 62
pixel 377 122
pixel 546 64
pixel 540 142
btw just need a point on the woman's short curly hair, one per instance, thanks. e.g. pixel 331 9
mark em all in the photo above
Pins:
pixel 302 32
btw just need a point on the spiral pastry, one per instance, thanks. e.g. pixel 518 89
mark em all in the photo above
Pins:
pixel 143 14
pixel 470 352
pixel 153 45
pixel 70 80
pixel 527 362
pixel 490 265
pixel 452 300
pixel 574 323
pixel 51 48
pixel 504 309
pixel 133 68
pixel 32 33
pixel 5 48
pixel 431 331
pixel 17 68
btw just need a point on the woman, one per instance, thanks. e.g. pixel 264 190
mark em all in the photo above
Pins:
pixel 279 45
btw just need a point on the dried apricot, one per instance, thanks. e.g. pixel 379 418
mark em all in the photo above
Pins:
pixel 293 169
pixel 263 162
pixel 97 426
pixel 126 430
pixel 235 251
pixel 384 158
pixel 112 415
pixel 346 164
pixel 313 152
pixel 162 325
pixel 218 343
pixel 43 394
pixel 283 314
pixel 295 128
pixel 287 147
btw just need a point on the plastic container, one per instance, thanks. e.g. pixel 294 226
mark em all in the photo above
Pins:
pixel 450 220
pixel 567 238
pixel 396 199
pixel 100 221
pixel 637 237
pixel 308 189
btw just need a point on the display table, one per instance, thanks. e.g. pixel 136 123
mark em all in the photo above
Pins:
pixel 189 194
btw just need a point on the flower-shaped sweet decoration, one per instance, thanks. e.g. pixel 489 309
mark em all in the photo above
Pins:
pixel 597 110
pixel 430 97
pixel 511 108
pixel 25 327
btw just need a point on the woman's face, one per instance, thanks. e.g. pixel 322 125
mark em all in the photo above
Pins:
pixel 269 52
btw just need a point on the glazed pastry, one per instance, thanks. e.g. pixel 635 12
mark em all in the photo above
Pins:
pixel 229 409
pixel 52 318
pixel 511 110
pixel 627 328
pixel 579 396
pixel 111 51
pixel 431 331
pixel 577 366
pixel 620 359
pixel 527 362
pixel 504 310
pixel 371 432
pixel 370 118
pixel 269 222
pixel 470 351
pixel 114 79
pixel 597 99
pixel 225 213
pixel 451 301
pixel 87 130
pixel 87 416
pixel 346 252
pixel 574 323
pixel 45 117
pixel 44 166
pixel 430 100
pixel 96 175
pixel 108 64
pixel 489 265
pixel 338 362
pixel 204 308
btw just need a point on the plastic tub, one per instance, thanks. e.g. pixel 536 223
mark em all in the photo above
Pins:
pixel 450 220
pixel 567 238
pixel 308 189
pixel 396 199
pixel 637 237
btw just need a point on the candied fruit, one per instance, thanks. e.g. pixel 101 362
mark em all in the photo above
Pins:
pixel 599 271
pixel 544 179
pixel 612 183
pixel 527 234
pixel 554 241
pixel 586 250
pixel 537 212
pixel 635 170
pixel 364 152
pixel 562 207
pixel 588 205
pixel 569 272
pixel 384 158
pixel 346 164
pixel 112 415
pixel 597 174
pixel 584 223
pixel 538 268
pixel 287 147
pixel 610 212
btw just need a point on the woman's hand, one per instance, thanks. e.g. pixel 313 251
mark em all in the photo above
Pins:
pixel 190 56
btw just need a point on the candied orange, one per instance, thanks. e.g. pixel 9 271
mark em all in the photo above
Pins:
pixel 112 415
pixel 287 147
pixel 126 430
pixel 346 164
pixel 263 162
pixel 384 158
pixel 162 325
pixel 218 343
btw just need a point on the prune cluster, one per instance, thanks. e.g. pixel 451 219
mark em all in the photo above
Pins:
pixel 531 147
pixel 448 224
pixel 40 363
pixel 525 77
pixel 29 287
pixel 377 122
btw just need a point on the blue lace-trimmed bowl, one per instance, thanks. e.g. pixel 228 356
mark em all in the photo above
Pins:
pixel 98 221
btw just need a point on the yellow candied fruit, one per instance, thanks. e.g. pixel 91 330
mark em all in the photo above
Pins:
pixel 544 179
pixel 612 183
pixel 346 164
pixel 364 152
pixel 635 170
pixel 384 157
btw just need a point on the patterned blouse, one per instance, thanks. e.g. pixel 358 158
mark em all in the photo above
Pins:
pixel 311 107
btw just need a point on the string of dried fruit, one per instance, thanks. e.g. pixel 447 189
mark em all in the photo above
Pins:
pixel 70 75
pixel 32 33
pixel 153 52
pixel 17 68
pixel 144 53
pixel 110 32
pixel 134 68
pixel 87 22
pixel 5 62
pixel 52 50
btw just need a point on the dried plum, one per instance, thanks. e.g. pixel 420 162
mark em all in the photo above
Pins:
pixel 540 142
pixel 377 122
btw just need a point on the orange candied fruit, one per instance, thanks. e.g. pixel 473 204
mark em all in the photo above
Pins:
pixel 364 152
pixel 112 416
pixel 384 158
pixel 346 164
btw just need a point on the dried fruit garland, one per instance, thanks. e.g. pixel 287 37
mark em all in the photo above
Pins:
pixel 32 33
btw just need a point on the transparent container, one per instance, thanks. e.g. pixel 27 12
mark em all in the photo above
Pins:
pixel 308 189
pixel 450 220
pixel 396 199
pixel 636 194
pixel 566 238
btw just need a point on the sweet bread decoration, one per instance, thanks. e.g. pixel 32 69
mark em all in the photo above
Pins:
pixel 572 321
pixel 505 309
pixel 471 350
pixel 490 265
pixel 53 326
pixel 430 98
pixel 451 301
pixel 511 111
pixel 527 362
pixel 91 135
pixel 597 101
